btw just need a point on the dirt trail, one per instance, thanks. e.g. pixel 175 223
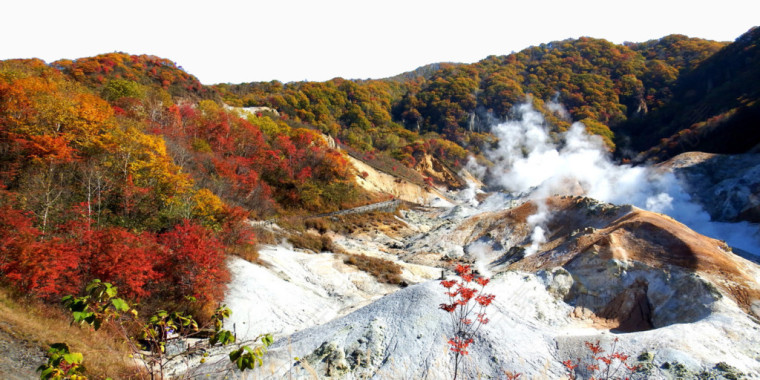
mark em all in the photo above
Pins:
pixel 19 359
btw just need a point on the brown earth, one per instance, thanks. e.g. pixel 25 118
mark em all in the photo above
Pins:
pixel 657 241
pixel 583 234
pixel 441 175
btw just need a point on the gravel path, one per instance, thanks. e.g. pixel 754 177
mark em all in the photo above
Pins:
pixel 19 359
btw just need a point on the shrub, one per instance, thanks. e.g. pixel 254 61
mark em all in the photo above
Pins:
pixel 601 367
pixel 384 271
pixel 194 263
pixel 101 307
pixel 312 242
pixel 463 301
pixel 318 224
pixel 364 221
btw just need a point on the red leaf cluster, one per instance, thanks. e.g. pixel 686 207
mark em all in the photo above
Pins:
pixel 461 309
pixel 188 260
pixel 608 369
pixel 459 345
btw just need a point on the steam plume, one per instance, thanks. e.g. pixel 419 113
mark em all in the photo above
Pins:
pixel 529 161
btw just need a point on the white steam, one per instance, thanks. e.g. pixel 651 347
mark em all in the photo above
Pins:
pixel 528 161
pixel 557 108
pixel 537 222
pixel 483 254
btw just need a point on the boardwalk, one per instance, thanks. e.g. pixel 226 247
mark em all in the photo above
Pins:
pixel 386 206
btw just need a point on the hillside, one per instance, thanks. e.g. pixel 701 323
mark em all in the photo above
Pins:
pixel 599 83
pixel 714 108
pixel 126 169
pixel 604 272
pixel 111 166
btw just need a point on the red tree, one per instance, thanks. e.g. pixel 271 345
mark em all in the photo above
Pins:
pixel 463 302
pixel 43 267
pixel 126 260
pixel 194 261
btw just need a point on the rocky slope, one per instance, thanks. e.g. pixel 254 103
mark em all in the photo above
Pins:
pixel 380 182
pixel 600 272
pixel 20 358
pixel 727 186
pixel 566 270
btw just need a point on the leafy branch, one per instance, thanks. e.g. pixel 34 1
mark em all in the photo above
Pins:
pixel 463 302
pixel 101 306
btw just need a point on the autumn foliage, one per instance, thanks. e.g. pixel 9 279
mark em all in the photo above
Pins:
pixel 110 165
pixel 258 163
pixel 600 83
pixel 194 261
pixel 126 169
pixel 87 192
pixel 144 70
pixel 187 260
pixel 602 365
pixel 467 308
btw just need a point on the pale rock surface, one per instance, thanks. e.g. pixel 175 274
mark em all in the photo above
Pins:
pixel 296 291
pixel 727 186
pixel 379 182
pixel 403 335
pixel 603 272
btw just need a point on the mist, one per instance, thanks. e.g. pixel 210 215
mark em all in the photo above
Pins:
pixel 530 161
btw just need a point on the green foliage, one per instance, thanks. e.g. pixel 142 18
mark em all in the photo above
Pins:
pixel 678 51
pixel 356 112
pixel 445 103
pixel 247 357
pixel 122 88
pixel 597 81
pixel 601 130
pixel 221 336
pixel 62 364
pixel 101 306
pixel 713 107
pixel 162 325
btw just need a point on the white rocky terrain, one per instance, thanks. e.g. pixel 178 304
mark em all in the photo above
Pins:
pixel 682 300
pixel 568 269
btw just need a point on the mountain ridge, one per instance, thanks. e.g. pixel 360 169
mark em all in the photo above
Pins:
pixel 127 169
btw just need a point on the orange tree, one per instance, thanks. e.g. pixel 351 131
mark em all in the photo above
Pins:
pixel 465 303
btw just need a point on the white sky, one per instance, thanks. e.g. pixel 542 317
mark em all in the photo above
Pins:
pixel 292 40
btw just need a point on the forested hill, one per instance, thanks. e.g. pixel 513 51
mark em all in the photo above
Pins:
pixel 131 155
pixel 125 168
pixel 714 108
pixel 600 83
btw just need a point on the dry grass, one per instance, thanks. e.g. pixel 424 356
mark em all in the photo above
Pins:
pixel 383 162
pixel 320 224
pixel 292 223
pixel 248 252
pixel 266 235
pixel 384 270
pixel 347 224
pixel 311 242
pixel 105 353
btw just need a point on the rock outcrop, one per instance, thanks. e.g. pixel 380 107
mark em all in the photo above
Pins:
pixel 681 302
pixel 727 186
pixel 441 175
pixel 380 182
